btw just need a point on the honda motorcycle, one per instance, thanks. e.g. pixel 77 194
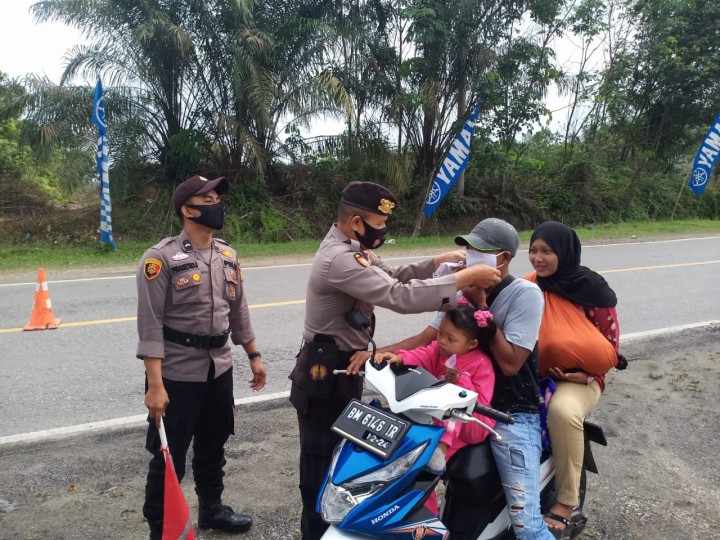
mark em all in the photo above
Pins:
pixel 378 480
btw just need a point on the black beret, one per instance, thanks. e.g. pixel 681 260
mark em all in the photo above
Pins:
pixel 197 185
pixel 370 196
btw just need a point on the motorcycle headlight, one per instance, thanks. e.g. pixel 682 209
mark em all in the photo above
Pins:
pixel 338 500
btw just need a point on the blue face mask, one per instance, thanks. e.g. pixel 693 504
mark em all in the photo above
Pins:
pixel 211 215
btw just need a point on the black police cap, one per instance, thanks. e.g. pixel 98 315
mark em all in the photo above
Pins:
pixel 371 197
pixel 197 185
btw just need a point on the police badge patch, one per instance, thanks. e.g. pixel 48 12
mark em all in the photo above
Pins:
pixel 360 258
pixel 318 372
pixel 152 268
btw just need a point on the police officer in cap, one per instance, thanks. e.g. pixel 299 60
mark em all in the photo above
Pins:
pixel 190 300
pixel 346 275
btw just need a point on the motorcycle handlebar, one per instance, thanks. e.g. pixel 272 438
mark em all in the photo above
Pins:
pixel 344 372
pixel 494 414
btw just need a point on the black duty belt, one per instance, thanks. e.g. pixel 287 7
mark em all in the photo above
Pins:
pixel 199 341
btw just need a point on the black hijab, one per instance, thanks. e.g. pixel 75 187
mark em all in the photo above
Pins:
pixel 571 280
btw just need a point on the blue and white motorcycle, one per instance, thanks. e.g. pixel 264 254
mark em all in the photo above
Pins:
pixel 378 479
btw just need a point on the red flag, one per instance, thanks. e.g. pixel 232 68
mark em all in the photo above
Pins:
pixel 176 516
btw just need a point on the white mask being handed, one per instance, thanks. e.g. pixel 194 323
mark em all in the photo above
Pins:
pixel 478 257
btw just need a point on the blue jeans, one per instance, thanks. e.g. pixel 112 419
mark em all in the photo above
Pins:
pixel 517 457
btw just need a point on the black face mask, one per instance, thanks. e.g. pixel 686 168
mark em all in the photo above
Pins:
pixel 211 215
pixel 373 238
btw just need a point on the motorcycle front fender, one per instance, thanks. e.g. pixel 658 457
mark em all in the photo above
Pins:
pixel 333 533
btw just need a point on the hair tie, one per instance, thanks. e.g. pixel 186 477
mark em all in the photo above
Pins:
pixel 462 301
pixel 482 316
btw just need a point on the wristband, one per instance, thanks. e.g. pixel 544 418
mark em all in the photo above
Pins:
pixel 253 355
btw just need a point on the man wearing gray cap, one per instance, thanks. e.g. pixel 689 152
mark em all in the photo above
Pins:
pixel 190 300
pixel 517 307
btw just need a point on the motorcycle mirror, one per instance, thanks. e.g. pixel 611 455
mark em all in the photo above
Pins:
pixel 357 319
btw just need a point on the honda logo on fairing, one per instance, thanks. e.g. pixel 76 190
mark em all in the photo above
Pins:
pixel 385 514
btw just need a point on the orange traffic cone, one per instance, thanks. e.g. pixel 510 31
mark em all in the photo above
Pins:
pixel 42 317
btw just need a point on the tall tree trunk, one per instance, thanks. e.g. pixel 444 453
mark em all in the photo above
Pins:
pixel 462 105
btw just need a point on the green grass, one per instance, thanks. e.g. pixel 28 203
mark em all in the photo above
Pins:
pixel 38 255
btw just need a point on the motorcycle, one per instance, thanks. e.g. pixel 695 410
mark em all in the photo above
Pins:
pixel 378 480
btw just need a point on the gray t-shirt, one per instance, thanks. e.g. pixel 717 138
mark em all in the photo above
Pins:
pixel 518 312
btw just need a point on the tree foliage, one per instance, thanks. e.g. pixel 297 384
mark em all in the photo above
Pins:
pixel 232 87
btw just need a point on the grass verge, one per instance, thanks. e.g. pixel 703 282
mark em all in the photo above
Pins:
pixel 39 255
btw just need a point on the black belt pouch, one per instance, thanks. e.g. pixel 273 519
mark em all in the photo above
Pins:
pixel 313 372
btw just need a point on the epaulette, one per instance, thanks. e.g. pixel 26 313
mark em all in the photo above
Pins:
pixel 164 242
pixel 222 241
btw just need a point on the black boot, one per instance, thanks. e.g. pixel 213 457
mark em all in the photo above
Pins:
pixel 215 515
pixel 156 530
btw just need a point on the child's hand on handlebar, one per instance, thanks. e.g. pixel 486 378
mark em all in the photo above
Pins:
pixel 390 358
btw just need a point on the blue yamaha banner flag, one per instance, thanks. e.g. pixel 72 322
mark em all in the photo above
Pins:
pixel 705 159
pixel 98 118
pixel 454 163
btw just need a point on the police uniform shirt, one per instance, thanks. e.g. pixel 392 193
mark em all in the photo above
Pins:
pixel 344 277
pixel 179 289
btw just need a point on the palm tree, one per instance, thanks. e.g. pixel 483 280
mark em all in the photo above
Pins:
pixel 204 74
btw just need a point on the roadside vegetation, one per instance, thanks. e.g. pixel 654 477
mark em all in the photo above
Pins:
pixel 31 256
pixel 233 88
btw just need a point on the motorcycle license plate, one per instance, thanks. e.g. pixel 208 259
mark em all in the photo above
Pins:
pixel 378 431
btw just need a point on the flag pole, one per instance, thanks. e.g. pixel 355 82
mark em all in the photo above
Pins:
pixel 421 216
pixel 682 186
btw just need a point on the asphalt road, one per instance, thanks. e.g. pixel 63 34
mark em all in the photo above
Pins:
pixel 658 475
pixel 86 370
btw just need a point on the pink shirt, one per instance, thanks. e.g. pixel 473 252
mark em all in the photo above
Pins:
pixel 476 374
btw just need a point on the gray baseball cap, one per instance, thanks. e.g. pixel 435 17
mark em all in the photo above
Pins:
pixel 490 234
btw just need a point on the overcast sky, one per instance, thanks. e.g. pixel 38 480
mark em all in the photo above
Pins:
pixel 26 47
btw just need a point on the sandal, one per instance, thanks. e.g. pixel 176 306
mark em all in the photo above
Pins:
pixel 559 533
pixel 578 522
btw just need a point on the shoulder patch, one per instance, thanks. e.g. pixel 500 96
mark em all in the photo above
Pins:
pixel 360 258
pixel 152 268
pixel 228 254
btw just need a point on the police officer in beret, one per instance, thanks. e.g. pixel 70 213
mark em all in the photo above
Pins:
pixel 190 301
pixel 347 275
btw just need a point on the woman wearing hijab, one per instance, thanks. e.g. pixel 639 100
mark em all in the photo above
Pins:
pixel 578 344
